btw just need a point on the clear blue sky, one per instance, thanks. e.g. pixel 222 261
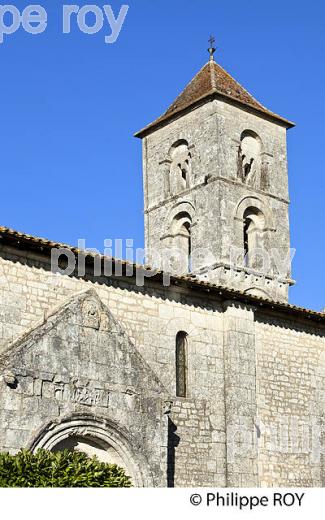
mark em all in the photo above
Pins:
pixel 70 104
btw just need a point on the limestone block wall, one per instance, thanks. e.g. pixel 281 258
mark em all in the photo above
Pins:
pixel 151 317
pixel 77 375
pixel 290 364
pixel 240 395
pixel 216 195
pixel 199 437
pixel 246 368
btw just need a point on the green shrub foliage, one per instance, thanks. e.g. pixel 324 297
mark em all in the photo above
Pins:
pixel 61 469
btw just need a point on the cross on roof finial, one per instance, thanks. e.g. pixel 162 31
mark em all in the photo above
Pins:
pixel 212 48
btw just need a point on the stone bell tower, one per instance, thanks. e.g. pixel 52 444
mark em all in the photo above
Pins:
pixel 216 187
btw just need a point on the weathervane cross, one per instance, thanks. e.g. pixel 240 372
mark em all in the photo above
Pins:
pixel 212 48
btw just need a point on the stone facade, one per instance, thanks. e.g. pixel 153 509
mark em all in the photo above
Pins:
pixel 102 352
pixel 89 362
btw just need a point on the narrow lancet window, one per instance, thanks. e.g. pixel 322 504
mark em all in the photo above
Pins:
pixel 181 365
pixel 247 224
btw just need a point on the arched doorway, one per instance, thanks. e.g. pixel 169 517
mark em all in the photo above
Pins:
pixel 92 447
pixel 99 437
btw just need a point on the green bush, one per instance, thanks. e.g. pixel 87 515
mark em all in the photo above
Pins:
pixel 61 469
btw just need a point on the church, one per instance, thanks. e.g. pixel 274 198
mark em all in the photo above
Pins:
pixel 205 377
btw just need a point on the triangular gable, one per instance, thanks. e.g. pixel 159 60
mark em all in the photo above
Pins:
pixel 81 340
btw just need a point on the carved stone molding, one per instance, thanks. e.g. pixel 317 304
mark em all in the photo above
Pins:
pixel 104 432
pixel 91 314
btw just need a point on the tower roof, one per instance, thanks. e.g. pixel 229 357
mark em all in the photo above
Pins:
pixel 212 81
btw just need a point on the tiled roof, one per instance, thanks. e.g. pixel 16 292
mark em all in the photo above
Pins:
pixel 22 241
pixel 212 80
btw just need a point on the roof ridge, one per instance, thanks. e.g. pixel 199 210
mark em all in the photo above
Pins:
pixel 44 244
pixel 213 73
pixel 174 104
pixel 241 86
